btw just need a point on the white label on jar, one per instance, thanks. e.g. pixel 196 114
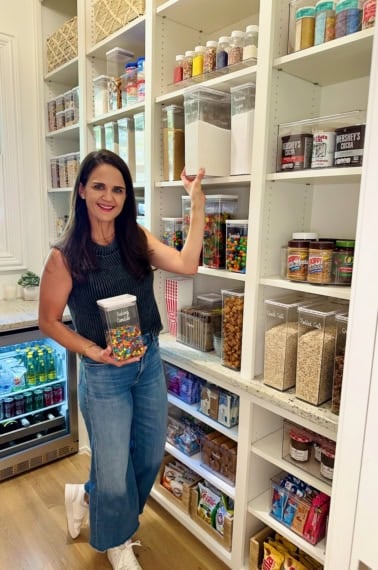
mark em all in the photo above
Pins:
pixel 326 471
pixel 323 148
pixel 299 454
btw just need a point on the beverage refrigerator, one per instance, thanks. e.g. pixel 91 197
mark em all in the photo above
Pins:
pixel 38 401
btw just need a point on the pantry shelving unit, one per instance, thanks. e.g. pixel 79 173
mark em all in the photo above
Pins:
pixel 326 79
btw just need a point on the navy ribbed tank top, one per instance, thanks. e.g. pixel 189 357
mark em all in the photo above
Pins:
pixel 109 280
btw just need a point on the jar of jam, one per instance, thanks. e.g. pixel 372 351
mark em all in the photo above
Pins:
pixel 327 461
pixel 343 262
pixel 300 444
pixel 297 259
pixel 320 262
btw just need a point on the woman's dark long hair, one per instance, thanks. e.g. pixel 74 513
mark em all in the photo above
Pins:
pixel 76 244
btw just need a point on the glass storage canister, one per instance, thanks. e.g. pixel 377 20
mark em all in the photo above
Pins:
pixel 348 17
pixel 251 41
pixel 319 268
pixel 178 69
pixel 210 57
pixel 187 66
pixel 304 28
pixel 297 259
pixel 236 47
pixel 172 232
pixel 236 245
pixel 343 262
pixel 218 209
pixel 325 21
pixel 223 49
pixel 369 9
pixel 173 141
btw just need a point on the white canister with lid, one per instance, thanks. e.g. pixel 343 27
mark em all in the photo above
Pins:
pixel 236 47
pixel 323 149
pixel 305 235
pixel 251 42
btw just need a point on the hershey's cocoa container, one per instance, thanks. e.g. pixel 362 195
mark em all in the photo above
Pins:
pixel 349 145
pixel 296 151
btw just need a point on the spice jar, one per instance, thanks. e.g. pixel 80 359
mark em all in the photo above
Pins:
pixel 320 262
pixel 327 460
pixel 198 59
pixel 222 52
pixel 236 47
pixel 187 66
pixel 178 69
pixel 343 262
pixel 210 57
pixel 251 42
pixel 368 13
pixel 300 444
pixel 297 259
pixel 304 28
pixel 325 21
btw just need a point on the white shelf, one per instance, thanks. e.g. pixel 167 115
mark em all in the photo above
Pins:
pixel 204 16
pixel 260 508
pixel 115 115
pixel 332 62
pixel 193 410
pixel 337 292
pixel 270 449
pixel 324 176
pixel 67 74
pixel 239 180
pixel 221 273
pixel 131 36
pixel 192 526
pixel 59 190
pixel 222 80
pixel 194 463
pixel 70 132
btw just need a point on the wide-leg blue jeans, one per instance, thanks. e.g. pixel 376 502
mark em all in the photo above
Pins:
pixel 125 412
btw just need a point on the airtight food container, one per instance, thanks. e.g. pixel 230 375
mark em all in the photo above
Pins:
pixel 121 325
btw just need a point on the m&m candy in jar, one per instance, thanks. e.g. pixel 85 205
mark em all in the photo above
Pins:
pixel 121 324
pixel 236 245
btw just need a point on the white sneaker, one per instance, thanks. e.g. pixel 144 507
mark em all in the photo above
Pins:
pixel 76 508
pixel 123 558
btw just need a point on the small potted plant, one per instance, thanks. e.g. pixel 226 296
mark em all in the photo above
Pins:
pixel 29 282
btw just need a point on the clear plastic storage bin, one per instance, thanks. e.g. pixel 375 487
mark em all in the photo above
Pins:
pixel 173 141
pixel 232 327
pixel 99 136
pixel 126 143
pixel 63 179
pixel 139 147
pixel 281 341
pixel 172 232
pixel 111 136
pixel 101 98
pixel 207 131
pixel 242 119
pixel 218 209
pixel 316 351
pixel 72 166
pixel 341 334
pixel 121 325
pixel 54 170
pixel 236 245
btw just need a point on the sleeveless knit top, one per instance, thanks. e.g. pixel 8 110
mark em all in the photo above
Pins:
pixel 109 280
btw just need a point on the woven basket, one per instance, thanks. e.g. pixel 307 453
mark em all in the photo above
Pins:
pixel 62 44
pixel 110 15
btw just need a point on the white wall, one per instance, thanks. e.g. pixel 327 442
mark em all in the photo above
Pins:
pixel 18 19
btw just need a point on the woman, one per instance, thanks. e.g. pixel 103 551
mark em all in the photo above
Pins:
pixel 104 253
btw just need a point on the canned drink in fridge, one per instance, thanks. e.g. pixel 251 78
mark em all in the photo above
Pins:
pixel 58 393
pixel 9 407
pixel 48 396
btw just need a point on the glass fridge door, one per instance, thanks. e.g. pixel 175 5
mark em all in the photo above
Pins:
pixel 38 395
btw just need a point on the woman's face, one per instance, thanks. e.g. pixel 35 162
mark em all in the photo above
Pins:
pixel 104 193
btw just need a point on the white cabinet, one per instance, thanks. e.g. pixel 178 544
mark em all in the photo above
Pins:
pixel 317 82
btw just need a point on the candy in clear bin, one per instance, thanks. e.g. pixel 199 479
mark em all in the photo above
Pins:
pixel 121 323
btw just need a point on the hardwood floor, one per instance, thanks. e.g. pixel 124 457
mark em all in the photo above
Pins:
pixel 33 531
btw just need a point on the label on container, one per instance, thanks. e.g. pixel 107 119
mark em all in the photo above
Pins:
pixel 296 152
pixel 349 146
pixel 299 454
pixel 323 149
pixel 326 471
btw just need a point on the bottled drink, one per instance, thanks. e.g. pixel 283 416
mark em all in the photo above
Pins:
pixel 50 367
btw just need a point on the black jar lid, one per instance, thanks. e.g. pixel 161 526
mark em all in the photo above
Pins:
pixel 322 245
pixel 298 243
